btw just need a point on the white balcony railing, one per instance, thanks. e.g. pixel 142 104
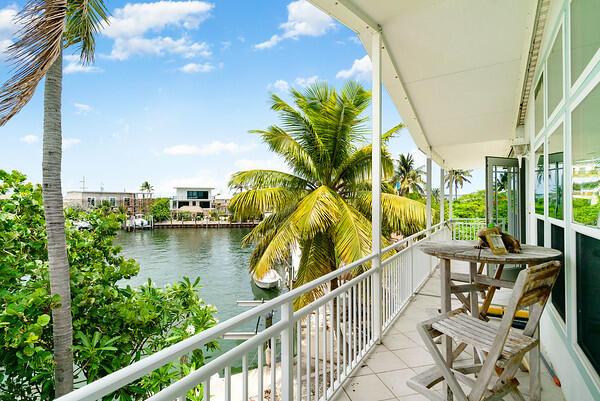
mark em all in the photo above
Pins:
pixel 308 353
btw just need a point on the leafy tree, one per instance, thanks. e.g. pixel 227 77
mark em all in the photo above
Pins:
pixel 324 203
pixel 407 177
pixel 115 325
pixel 146 187
pixel 161 209
pixel 48 27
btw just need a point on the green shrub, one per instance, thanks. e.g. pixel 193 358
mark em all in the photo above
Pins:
pixel 114 325
pixel 161 209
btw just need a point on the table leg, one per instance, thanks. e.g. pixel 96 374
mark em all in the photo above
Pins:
pixel 446 306
pixel 490 293
pixel 474 301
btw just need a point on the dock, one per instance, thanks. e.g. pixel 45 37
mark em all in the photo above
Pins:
pixel 204 224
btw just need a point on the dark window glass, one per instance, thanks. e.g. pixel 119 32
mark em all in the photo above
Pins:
pixel 540 232
pixel 557 239
pixel 588 297
pixel 197 194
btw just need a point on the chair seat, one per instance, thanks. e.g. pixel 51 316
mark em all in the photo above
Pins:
pixel 464 328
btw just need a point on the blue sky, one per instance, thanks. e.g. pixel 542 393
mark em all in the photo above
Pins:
pixel 177 85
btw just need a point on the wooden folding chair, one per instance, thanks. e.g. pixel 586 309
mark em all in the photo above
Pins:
pixel 503 347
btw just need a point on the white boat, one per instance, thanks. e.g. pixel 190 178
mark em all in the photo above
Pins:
pixel 140 222
pixel 271 279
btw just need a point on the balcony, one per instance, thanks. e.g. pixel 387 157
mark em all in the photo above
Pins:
pixel 329 349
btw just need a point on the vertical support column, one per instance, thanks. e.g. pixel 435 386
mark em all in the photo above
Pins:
pixel 442 197
pixel 376 182
pixel 450 194
pixel 429 215
pixel 287 353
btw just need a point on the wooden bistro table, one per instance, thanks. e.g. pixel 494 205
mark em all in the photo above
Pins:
pixel 476 281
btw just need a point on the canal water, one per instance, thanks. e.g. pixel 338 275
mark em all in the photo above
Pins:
pixel 214 255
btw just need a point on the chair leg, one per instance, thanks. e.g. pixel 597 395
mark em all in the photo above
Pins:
pixel 516 395
pixel 441 364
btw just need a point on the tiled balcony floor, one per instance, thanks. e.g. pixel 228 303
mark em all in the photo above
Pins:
pixel 383 375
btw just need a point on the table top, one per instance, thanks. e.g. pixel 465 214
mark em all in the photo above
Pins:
pixel 466 251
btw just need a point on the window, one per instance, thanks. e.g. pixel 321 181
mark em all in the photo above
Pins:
pixel 555 73
pixel 91 202
pixel 112 201
pixel 197 194
pixel 539 180
pixel 555 174
pixel 585 136
pixel 126 201
pixel 539 105
pixel 588 297
pixel 585 34
pixel 540 232
pixel 557 239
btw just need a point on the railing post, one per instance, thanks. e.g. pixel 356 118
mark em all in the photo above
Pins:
pixel 442 197
pixel 429 214
pixel 287 352
pixel 376 182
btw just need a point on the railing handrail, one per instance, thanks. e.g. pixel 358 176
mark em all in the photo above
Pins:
pixel 130 373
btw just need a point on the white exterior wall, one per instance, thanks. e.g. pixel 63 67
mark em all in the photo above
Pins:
pixel 580 381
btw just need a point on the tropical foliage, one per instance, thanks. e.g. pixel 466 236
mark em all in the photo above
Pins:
pixel 324 201
pixel 161 209
pixel 114 324
pixel 408 178
pixel 146 187
pixel 47 27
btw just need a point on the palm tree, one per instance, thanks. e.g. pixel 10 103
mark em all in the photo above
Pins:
pixel 324 202
pixel 459 177
pixel 146 187
pixel 48 27
pixel 408 178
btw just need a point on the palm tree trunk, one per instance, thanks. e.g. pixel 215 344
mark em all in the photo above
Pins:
pixel 62 326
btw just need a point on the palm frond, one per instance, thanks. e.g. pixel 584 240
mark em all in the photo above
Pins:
pixel 255 202
pixel 295 155
pixel 399 214
pixel 356 168
pixel 316 261
pixel 351 233
pixel 274 248
pixel 38 46
pixel 316 212
pixel 85 18
pixel 258 179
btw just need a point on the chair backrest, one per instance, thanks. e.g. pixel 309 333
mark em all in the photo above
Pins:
pixel 532 289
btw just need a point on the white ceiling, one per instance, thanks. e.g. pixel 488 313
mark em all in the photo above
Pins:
pixel 454 69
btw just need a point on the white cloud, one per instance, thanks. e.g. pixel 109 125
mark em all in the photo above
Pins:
pixel 74 65
pixel 307 81
pixel 126 47
pixel 82 108
pixel 212 148
pixel 225 45
pixel 70 142
pixel 129 24
pixel 304 19
pixel 280 85
pixel 354 39
pixel 361 69
pixel 192 68
pixel 30 139
pixel 8 28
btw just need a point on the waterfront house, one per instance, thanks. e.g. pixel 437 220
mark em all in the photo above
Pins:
pixel 131 202
pixel 192 198
pixel 512 86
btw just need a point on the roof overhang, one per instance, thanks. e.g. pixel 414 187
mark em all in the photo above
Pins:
pixel 454 69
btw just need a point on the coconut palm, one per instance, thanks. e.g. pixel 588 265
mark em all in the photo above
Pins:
pixel 48 26
pixel 324 202
pixel 459 177
pixel 408 178
pixel 146 187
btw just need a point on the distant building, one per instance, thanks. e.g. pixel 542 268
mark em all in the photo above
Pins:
pixel 132 202
pixel 193 199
